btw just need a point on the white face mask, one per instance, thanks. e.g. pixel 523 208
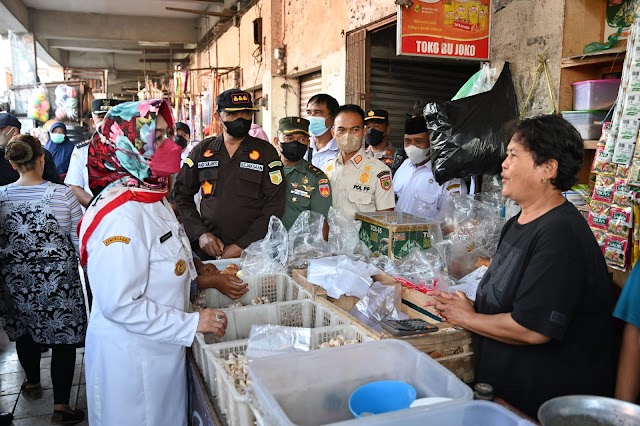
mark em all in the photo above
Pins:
pixel 349 143
pixel 417 155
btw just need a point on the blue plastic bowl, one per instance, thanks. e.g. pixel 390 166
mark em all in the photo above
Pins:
pixel 381 397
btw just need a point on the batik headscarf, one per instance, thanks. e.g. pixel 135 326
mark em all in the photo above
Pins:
pixel 119 162
pixel 121 149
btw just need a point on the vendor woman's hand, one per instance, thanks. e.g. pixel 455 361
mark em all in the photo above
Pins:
pixel 211 244
pixel 456 309
pixel 231 251
pixel 229 285
pixel 212 321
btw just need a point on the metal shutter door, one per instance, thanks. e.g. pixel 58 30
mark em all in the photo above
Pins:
pixel 310 85
pixel 397 84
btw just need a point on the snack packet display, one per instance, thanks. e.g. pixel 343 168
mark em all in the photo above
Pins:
pixel 622 193
pixel 599 215
pixel 600 236
pixel 604 188
pixel 621 221
pixel 615 251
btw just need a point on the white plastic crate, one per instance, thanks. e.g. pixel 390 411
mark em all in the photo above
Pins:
pixel 297 313
pixel 235 405
pixel 276 287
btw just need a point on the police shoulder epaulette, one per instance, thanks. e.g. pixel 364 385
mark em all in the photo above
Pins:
pixel 83 143
pixel 217 145
pixel 315 170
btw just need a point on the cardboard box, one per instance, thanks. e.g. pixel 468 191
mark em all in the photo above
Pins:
pixel 346 303
pixel 394 233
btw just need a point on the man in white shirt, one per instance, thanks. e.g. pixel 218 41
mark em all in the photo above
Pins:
pixel 77 177
pixel 414 183
pixel 360 182
pixel 321 110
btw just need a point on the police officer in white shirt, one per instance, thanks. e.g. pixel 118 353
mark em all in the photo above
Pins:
pixel 78 175
pixel 360 182
pixel 414 183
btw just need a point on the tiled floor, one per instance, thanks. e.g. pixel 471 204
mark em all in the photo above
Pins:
pixel 27 412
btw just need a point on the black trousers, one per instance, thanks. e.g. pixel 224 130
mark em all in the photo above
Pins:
pixel 63 363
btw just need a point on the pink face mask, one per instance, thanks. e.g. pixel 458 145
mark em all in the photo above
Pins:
pixel 166 160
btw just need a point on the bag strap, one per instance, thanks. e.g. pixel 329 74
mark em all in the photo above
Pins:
pixel 542 67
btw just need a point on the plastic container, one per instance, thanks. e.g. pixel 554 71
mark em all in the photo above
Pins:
pixel 235 405
pixel 383 396
pixel 314 388
pixel 276 287
pixel 595 94
pixel 454 413
pixel 585 122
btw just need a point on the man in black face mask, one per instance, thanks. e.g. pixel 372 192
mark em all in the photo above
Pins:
pixel 240 179
pixel 307 186
pixel 376 121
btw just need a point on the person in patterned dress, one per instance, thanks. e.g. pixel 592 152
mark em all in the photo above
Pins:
pixel 41 299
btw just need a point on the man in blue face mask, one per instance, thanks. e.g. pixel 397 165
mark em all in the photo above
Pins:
pixel 321 111
pixel 240 179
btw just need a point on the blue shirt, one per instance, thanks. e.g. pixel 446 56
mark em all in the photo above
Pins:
pixel 320 157
pixel 628 306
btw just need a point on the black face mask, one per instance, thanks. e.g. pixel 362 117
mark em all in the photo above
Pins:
pixel 238 128
pixel 374 137
pixel 293 151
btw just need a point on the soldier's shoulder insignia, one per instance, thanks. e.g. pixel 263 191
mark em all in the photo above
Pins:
pixel 188 162
pixel 316 171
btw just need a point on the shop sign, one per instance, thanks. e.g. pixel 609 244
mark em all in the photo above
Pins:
pixel 445 28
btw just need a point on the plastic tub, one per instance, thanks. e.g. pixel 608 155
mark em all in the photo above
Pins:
pixel 595 94
pixel 454 413
pixel 314 388
pixel 585 122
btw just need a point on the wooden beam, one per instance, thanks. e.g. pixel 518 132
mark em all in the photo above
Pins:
pixel 167 51
pixel 202 12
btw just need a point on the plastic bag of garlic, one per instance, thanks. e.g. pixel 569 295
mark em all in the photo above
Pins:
pixel 269 340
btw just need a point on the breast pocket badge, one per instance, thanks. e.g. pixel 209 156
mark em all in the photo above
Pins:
pixel 181 267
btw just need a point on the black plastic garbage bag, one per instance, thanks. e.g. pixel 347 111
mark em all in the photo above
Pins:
pixel 468 135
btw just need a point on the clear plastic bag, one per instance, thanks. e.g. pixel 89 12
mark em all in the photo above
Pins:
pixel 305 240
pixel 480 82
pixel 268 340
pixel 269 255
pixel 422 270
pixel 381 302
pixel 344 235
pixel 341 275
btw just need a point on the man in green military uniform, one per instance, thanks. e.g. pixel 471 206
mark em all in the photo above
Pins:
pixel 307 186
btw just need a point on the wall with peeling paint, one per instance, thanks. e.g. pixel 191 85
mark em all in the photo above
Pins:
pixel 520 30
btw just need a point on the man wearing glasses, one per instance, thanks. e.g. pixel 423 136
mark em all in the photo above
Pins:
pixel 240 179
pixel 307 186
pixel 360 182
pixel 418 192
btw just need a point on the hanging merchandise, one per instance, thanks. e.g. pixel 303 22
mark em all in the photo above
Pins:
pixel 468 135
pixel 39 105
pixel 66 103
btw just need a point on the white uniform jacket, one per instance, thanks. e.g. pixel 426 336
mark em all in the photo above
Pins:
pixel 418 192
pixel 140 273
pixel 78 174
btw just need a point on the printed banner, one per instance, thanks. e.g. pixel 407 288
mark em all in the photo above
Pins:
pixel 445 28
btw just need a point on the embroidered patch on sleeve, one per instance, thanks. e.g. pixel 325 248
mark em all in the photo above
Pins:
pixel 116 239
pixel 276 177
pixel 385 182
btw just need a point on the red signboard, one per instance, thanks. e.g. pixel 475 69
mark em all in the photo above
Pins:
pixel 445 28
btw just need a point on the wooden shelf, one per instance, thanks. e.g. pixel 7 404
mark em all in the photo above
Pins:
pixel 601 57
pixel 591 144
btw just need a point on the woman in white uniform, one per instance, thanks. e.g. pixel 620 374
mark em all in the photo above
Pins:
pixel 140 267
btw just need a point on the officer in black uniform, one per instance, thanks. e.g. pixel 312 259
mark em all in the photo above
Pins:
pixel 240 179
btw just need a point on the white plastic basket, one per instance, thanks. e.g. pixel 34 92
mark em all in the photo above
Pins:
pixel 276 287
pixel 235 405
pixel 297 313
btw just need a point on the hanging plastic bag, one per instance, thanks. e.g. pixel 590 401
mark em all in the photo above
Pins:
pixel 480 82
pixel 39 105
pixel 269 255
pixel 305 240
pixel 469 136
